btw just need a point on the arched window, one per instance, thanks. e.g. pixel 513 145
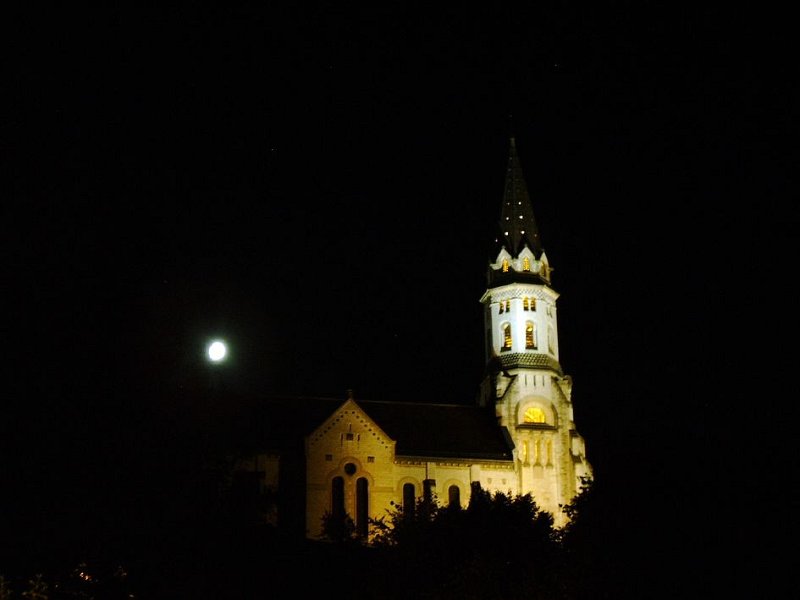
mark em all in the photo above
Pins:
pixel 526 264
pixel 526 303
pixel 533 303
pixel 362 506
pixel 549 450
pixel 506 337
pixel 454 496
pixel 508 305
pixel 502 307
pixel 525 452
pixel 536 452
pixel 505 265
pixel 534 415
pixel 428 491
pixel 409 498
pixel 530 336
pixel 337 496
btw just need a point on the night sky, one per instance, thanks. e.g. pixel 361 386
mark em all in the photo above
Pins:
pixel 320 188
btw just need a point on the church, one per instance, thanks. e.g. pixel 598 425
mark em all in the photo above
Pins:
pixel 361 458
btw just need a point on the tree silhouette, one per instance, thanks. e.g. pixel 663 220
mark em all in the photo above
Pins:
pixel 499 546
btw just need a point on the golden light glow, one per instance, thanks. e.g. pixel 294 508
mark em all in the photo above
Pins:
pixel 506 337
pixel 526 264
pixel 530 338
pixel 534 415
pixel 505 265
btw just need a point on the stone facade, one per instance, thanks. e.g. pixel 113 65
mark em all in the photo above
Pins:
pixel 366 458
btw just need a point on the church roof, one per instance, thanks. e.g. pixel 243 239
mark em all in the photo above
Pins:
pixel 441 430
pixel 420 429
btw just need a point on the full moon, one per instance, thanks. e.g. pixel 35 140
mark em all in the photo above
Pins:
pixel 217 351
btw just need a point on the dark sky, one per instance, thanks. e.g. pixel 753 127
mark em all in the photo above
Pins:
pixel 320 186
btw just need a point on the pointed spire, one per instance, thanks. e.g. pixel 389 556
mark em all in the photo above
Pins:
pixel 517 224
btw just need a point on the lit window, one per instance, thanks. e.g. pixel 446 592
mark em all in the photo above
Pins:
pixel 508 305
pixel 362 507
pixel 533 303
pixel 506 337
pixel 530 337
pixel 534 415
pixel 505 265
pixel 526 264
pixel 502 307
pixel 526 303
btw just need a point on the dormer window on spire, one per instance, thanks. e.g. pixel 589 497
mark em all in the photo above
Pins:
pixel 526 264
pixel 505 265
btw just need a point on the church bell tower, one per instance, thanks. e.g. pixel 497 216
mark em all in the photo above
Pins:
pixel 531 395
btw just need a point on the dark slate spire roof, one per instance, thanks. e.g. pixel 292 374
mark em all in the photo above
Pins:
pixel 517 225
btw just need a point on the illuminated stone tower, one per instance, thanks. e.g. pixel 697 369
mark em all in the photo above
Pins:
pixel 525 383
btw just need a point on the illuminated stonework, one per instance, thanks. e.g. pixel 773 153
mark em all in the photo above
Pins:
pixel 364 458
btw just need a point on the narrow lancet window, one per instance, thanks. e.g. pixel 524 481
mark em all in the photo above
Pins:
pixel 526 264
pixel 362 507
pixel 530 336
pixel 337 497
pixel 506 337
pixel 505 265
pixel 526 303
pixel 454 496
pixel 409 499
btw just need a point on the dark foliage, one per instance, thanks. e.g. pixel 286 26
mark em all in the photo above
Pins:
pixel 500 546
